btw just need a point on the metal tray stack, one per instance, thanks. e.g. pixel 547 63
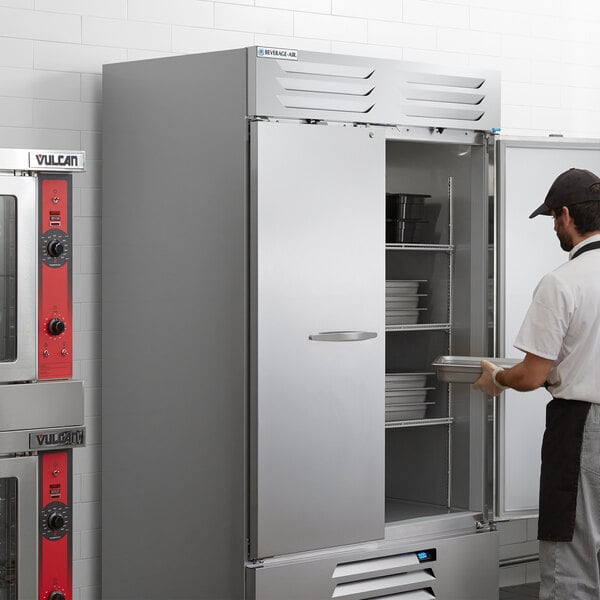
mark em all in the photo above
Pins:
pixel 466 369
pixel 405 395
pixel 401 301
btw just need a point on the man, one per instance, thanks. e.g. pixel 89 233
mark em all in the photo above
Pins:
pixel 560 336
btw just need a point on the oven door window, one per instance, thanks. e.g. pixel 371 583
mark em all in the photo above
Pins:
pixel 8 279
pixel 8 538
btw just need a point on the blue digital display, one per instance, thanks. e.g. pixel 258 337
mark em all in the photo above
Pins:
pixel 422 555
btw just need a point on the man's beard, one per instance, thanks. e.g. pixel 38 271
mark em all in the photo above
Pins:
pixel 566 242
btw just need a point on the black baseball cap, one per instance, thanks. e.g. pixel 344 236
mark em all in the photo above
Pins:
pixel 571 187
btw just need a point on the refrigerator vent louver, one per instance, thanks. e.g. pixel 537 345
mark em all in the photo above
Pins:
pixel 328 87
pixel 376 578
pixel 434 96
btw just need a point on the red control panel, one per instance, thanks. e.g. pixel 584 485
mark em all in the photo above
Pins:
pixel 55 327
pixel 55 546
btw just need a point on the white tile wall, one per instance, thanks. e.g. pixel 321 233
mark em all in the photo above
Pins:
pixel 51 56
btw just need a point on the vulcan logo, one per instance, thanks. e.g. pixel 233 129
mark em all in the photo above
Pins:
pixel 44 160
pixel 262 52
pixel 68 438
pixel 57 160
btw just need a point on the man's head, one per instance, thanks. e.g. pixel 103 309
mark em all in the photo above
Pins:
pixel 574 186
pixel 574 202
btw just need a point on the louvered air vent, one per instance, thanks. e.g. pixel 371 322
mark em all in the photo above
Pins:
pixel 438 96
pixel 400 577
pixel 319 86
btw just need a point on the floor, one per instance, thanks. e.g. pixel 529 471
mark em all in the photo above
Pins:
pixel 526 591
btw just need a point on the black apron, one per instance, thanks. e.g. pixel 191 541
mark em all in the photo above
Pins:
pixel 561 455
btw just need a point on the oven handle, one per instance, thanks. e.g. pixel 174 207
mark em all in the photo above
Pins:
pixel 342 336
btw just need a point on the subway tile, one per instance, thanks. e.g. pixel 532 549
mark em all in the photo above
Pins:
pixel 90 370
pixel 86 287
pixel 474 42
pixel 532 574
pixel 16 112
pixel 313 6
pixel 90 259
pixel 17 3
pixel 91 485
pixel 531 94
pixel 86 572
pixel 510 576
pixel 25 137
pixel 86 515
pixel 87 345
pixel 193 13
pixel 91 87
pixel 89 593
pixel 91 316
pixel 135 54
pixel 76 316
pixel 80 58
pixel 328 27
pixel 16 53
pixel 555 120
pixel 439 14
pixel 93 400
pixel 508 551
pixel 91 546
pixel 91 202
pixel 516 118
pixel 27 83
pixel 295 43
pixel 580 53
pixel 87 231
pixel 552 27
pixel 76 540
pixel 116 9
pixel 255 20
pixel 188 40
pixel 532 529
pixel 87 460
pixel 500 21
pixel 453 59
pixel 93 436
pixel 57 114
pixel 76 488
pixel 241 2
pixel 91 142
pixel 370 50
pixel 92 176
pixel 39 25
pixel 402 34
pixel 385 10
pixel 520 46
pixel 125 34
pixel 511 69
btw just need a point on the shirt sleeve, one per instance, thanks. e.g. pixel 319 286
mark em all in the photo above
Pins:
pixel 547 320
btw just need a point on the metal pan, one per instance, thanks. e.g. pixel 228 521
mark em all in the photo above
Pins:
pixel 466 369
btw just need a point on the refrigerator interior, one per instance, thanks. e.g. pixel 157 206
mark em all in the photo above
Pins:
pixel 434 462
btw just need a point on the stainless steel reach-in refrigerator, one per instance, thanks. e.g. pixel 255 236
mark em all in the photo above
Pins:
pixel 291 240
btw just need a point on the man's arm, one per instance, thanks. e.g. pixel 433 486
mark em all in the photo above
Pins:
pixel 530 374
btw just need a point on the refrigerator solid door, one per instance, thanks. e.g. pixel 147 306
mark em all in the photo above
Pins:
pixel 317 335
pixel 526 169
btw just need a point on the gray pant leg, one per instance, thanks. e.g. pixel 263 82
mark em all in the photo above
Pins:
pixel 570 570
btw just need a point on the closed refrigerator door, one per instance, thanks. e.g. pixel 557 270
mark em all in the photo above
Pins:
pixel 529 249
pixel 318 323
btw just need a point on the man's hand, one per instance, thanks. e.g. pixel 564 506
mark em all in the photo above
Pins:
pixel 486 382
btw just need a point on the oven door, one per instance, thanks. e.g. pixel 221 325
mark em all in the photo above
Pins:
pixel 18 528
pixel 18 277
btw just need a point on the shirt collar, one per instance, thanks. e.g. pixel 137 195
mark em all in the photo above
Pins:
pixel 592 238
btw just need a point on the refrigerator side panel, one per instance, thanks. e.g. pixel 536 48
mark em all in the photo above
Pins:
pixel 174 328
pixel 317 468
pixel 529 250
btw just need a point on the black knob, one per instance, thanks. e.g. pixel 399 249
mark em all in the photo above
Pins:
pixel 56 326
pixel 56 521
pixel 57 595
pixel 55 248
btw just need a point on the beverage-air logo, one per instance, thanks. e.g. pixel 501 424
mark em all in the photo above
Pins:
pixel 57 161
pixel 280 53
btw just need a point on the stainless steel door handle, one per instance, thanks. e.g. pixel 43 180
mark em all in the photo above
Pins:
pixel 342 336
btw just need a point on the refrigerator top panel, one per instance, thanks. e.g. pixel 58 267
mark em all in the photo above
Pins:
pixel 295 84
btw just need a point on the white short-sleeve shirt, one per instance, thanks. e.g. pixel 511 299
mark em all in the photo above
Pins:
pixel 563 324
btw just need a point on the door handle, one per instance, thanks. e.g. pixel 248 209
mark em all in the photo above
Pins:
pixel 342 336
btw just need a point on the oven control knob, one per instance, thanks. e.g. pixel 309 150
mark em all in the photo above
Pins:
pixel 57 595
pixel 55 248
pixel 56 521
pixel 56 326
